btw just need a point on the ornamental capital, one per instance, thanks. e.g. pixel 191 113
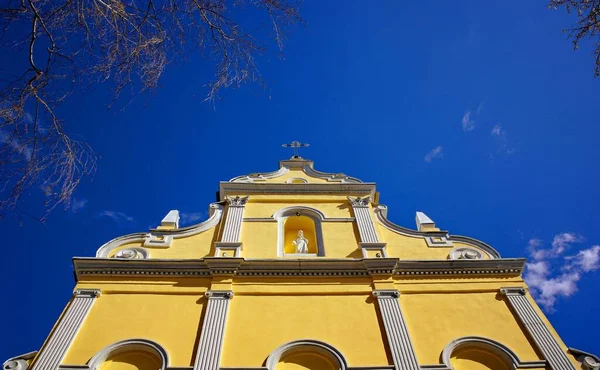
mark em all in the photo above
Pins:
pixel 513 291
pixel 219 294
pixel 237 201
pixel 86 293
pixel 360 202
pixel 388 293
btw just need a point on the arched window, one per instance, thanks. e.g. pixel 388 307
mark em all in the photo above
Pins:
pixel 477 353
pixel 306 354
pixel 299 232
pixel 131 354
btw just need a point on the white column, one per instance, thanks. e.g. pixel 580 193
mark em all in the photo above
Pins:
pixel 233 222
pixel 536 328
pixel 213 329
pixel 403 352
pixel 366 229
pixel 61 338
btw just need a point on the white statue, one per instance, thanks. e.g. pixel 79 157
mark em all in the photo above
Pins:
pixel 301 243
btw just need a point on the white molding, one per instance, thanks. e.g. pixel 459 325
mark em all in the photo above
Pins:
pixel 489 344
pixel 134 344
pixel 343 267
pixel 447 239
pixel 322 348
pixel 285 166
pixel 283 214
pixel 336 188
pixel 234 249
pixel 364 247
pixel 215 211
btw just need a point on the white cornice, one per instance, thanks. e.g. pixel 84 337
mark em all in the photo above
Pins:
pixel 381 217
pixel 345 267
pixel 215 211
pixel 362 189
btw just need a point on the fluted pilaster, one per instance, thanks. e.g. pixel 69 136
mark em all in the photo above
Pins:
pixel 366 229
pixel 213 329
pixel 536 328
pixel 61 338
pixel 396 331
pixel 233 222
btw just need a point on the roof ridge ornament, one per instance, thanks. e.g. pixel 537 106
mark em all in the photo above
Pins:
pixel 296 145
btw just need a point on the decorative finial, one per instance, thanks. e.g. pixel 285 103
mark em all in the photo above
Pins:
pixel 296 145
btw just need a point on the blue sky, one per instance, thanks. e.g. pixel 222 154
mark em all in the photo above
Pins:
pixel 478 114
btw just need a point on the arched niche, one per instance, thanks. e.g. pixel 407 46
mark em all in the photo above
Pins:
pixel 306 355
pixel 477 353
pixel 131 354
pixel 293 219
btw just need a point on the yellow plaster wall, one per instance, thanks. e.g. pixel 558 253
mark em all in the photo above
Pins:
pixel 347 322
pixel 172 320
pixel 435 319
pixel 266 207
pixel 260 240
pixel 190 247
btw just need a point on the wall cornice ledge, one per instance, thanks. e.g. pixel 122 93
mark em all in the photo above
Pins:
pixel 229 188
pixel 343 267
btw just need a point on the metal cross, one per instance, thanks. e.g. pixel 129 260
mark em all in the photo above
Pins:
pixel 296 145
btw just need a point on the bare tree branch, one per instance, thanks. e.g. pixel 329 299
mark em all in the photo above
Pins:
pixel 587 26
pixel 128 43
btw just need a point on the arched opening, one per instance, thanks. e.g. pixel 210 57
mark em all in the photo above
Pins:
pixel 300 232
pixel 474 358
pixel 131 360
pixel 478 353
pixel 131 354
pixel 292 227
pixel 306 355
pixel 306 360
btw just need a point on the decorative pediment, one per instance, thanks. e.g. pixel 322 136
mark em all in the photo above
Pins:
pixel 161 238
pixel 306 166
pixel 437 238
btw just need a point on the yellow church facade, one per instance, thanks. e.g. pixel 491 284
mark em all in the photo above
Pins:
pixel 300 269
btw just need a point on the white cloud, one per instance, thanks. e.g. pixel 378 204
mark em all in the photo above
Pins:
pixel 116 216
pixel 436 152
pixel 15 145
pixel 497 130
pixel 552 275
pixel 191 217
pixel 501 138
pixel 467 123
pixel 78 204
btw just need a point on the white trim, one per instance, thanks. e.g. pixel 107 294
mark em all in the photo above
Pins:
pixel 234 249
pixel 130 345
pixel 303 344
pixel 364 247
pixel 283 214
pixel 305 165
pixel 446 239
pixel 496 347
pixel 215 211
